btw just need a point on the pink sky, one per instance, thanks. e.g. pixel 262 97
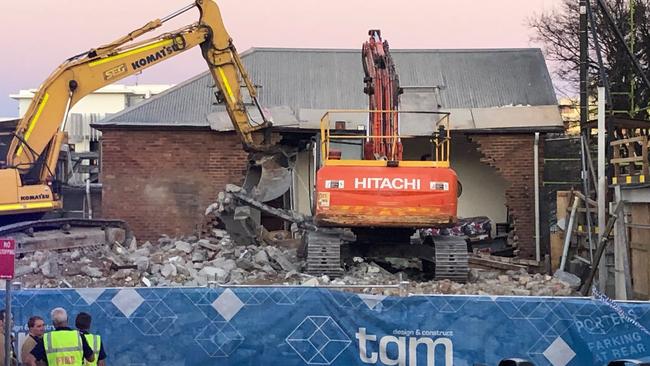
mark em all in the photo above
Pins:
pixel 40 34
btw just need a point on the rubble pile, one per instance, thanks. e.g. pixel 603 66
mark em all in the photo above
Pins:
pixel 194 261
pixel 188 261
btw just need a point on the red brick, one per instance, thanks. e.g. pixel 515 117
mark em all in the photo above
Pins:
pixel 161 182
pixel 512 156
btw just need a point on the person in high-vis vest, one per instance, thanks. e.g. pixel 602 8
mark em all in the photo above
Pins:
pixel 83 323
pixel 63 346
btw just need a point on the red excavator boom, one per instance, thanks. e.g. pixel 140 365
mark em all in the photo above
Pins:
pixel 382 87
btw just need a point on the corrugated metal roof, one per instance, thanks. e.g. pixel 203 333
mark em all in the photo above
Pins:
pixel 333 79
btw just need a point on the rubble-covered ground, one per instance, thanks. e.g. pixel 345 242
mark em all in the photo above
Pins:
pixel 190 261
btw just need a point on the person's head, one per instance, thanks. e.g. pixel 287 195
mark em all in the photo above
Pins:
pixel 3 314
pixel 36 326
pixel 59 317
pixel 83 321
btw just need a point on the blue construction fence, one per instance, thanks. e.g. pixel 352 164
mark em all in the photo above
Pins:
pixel 316 326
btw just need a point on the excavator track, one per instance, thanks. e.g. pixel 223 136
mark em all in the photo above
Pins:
pixel 324 251
pixel 451 258
pixel 63 223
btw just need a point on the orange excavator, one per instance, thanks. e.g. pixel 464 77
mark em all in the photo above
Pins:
pixel 373 205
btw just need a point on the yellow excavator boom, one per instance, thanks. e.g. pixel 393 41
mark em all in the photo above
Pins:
pixel 34 149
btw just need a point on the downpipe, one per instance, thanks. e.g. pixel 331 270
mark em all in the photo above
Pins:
pixel 538 254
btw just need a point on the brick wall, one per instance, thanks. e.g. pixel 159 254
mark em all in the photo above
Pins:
pixel 512 156
pixel 160 182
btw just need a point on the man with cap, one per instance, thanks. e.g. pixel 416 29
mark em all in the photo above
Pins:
pixel 63 346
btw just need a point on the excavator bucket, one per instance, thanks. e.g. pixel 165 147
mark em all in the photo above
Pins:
pixel 268 176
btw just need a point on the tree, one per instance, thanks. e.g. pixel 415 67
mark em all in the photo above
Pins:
pixel 558 31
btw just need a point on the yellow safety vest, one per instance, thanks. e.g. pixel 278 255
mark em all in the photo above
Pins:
pixel 63 347
pixel 95 343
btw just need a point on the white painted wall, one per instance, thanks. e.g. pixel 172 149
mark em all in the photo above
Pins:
pixel 483 188
pixel 303 182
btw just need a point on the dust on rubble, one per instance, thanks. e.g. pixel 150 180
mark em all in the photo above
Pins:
pixel 193 261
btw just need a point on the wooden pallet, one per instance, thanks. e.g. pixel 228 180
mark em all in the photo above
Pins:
pixel 634 168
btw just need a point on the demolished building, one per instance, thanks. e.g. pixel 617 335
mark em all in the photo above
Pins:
pixel 164 161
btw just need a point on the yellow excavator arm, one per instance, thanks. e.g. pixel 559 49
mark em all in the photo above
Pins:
pixel 83 74
pixel 35 146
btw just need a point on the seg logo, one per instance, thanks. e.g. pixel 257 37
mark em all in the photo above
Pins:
pixel 115 72
pixel 402 343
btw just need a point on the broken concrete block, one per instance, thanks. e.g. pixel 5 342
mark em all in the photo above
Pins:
pixel 245 264
pixel 133 244
pixel 213 273
pixel 218 233
pixel 75 255
pixel 183 246
pixel 207 245
pixel 142 252
pixel 40 257
pixel 183 270
pixel 237 276
pixel 373 268
pixel 311 282
pixel 142 263
pixel 261 258
pixel 168 270
pixel 157 258
pixel 570 279
pixel 121 274
pixel 71 270
pixel 280 258
pixel 50 268
pixel 268 269
pixel 198 256
pixel 155 268
pixel 92 271
pixel 176 260
pixel 291 274
pixel 23 270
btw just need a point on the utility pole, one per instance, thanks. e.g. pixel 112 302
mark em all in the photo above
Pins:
pixel 584 57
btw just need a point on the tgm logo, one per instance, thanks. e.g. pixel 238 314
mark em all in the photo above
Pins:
pixel 318 340
pixel 403 349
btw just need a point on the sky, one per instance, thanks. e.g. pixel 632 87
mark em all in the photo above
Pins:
pixel 39 34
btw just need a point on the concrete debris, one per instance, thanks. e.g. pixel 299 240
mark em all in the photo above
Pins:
pixel 168 270
pixel 573 280
pixel 92 271
pixel 193 261
pixel 183 246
